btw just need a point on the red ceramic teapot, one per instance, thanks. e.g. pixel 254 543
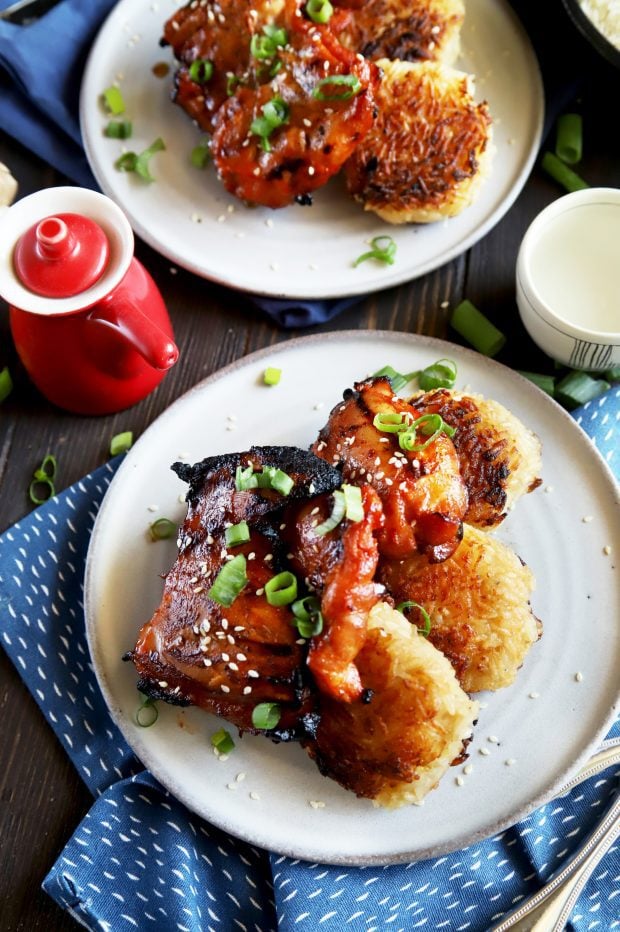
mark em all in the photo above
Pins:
pixel 87 319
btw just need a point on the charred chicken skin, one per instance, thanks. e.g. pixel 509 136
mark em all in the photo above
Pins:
pixel 423 495
pixel 227 659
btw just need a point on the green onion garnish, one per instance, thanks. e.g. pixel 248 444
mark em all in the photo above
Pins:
pixel 308 617
pixel 245 478
pixel 43 478
pixel 113 100
pixel 545 382
pixel 398 380
pixel 201 70
pixel 201 154
pixel 229 582
pixel 162 529
pixel 139 163
pixel 612 375
pixel 275 113
pixel 403 608
pixel 319 11
pixel 222 740
pixel 351 84
pixel 338 513
pixel 353 508
pixel 146 713
pixel 578 387
pixel 431 425
pixel 120 443
pixel 237 534
pixel 232 81
pixel 391 422
pixel 568 143
pixel 266 715
pixel 118 129
pixel 269 478
pixel 442 374
pixel 281 589
pixel 477 329
pixel 562 174
pixel 6 383
pixel 382 253
pixel 272 376
pixel 267 45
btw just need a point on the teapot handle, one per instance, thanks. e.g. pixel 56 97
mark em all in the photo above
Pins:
pixel 122 315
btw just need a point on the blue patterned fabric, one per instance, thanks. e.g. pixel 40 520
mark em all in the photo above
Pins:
pixel 140 860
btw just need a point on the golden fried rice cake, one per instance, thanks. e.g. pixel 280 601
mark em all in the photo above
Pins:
pixel 429 149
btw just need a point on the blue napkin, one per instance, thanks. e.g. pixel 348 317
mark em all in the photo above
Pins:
pixel 141 860
pixel 39 91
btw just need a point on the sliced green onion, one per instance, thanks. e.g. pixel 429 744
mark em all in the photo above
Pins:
pixel 120 443
pixel 43 479
pixel 569 139
pixel 578 387
pixel 35 485
pixel 477 329
pixel 545 382
pixel 47 469
pixel 237 534
pixel 338 513
pixel 353 508
pixel 272 376
pixel 245 478
pixel 201 70
pixel 612 375
pixel 391 422
pixel 319 11
pixel 146 713
pixel 398 379
pixel 405 606
pixel 382 253
pixel 139 163
pixel 442 374
pixel 266 715
pixel 275 113
pixel 431 425
pixel 118 129
pixel 6 383
pixel 113 100
pixel 308 617
pixel 276 479
pixel 162 529
pixel 232 81
pixel 222 740
pixel 229 582
pixel 351 84
pixel 562 174
pixel 201 154
pixel 266 46
pixel 281 589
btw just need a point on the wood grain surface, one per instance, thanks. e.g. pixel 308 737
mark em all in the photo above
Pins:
pixel 41 797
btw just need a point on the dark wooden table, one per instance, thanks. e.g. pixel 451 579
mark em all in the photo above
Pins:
pixel 41 796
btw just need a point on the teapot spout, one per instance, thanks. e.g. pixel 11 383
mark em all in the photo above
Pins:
pixel 122 315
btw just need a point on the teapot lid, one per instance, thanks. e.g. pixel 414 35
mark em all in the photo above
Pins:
pixel 61 255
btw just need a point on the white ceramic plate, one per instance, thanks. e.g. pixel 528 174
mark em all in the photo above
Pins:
pixel 308 251
pixel 577 597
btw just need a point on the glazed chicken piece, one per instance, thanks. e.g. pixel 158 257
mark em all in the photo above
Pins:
pixel 282 140
pixel 339 565
pixel 227 659
pixel 220 33
pixel 408 30
pixel 423 496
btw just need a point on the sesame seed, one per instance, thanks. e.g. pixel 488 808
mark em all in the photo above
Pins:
pixel 315 511
pixel 182 499
pixel 484 751
pixel 548 488
pixel 259 591
pixel 317 803
pixel 255 795
pixel 311 169
pixel 282 527
pixel 606 550
pixel 256 171
pixel 238 628
pixel 152 507
pixel 207 662
pixel 230 639
pixel 306 121
pixel 300 641
pixel 224 688
pixel 198 589
pixel 251 556
pixel 269 223
pixel 493 739
pixel 253 673
pixel 231 786
pixel 162 683
pixel 233 666
pixel 467 769
pixel 172 270
pixel 224 623
pixel 247 690
pixel 578 676
pixel 225 658
pixel 223 757
pixel 534 695
pixel 510 761
pixel 221 218
pixel 587 518
pixel 268 558
pixel 459 781
pixel 241 657
pixel 209 539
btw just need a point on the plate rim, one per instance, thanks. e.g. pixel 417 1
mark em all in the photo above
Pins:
pixel 548 793
pixel 351 289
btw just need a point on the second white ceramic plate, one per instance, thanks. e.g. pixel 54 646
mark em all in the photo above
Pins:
pixel 301 252
pixel 545 722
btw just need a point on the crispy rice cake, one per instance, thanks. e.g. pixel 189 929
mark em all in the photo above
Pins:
pixel 429 150
pixel 394 747
pixel 409 30
pixel 500 457
pixel 478 601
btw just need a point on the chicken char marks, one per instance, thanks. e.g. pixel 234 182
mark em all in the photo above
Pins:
pixel 228 659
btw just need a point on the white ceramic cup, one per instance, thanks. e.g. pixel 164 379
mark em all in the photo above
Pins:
pixel 568 279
